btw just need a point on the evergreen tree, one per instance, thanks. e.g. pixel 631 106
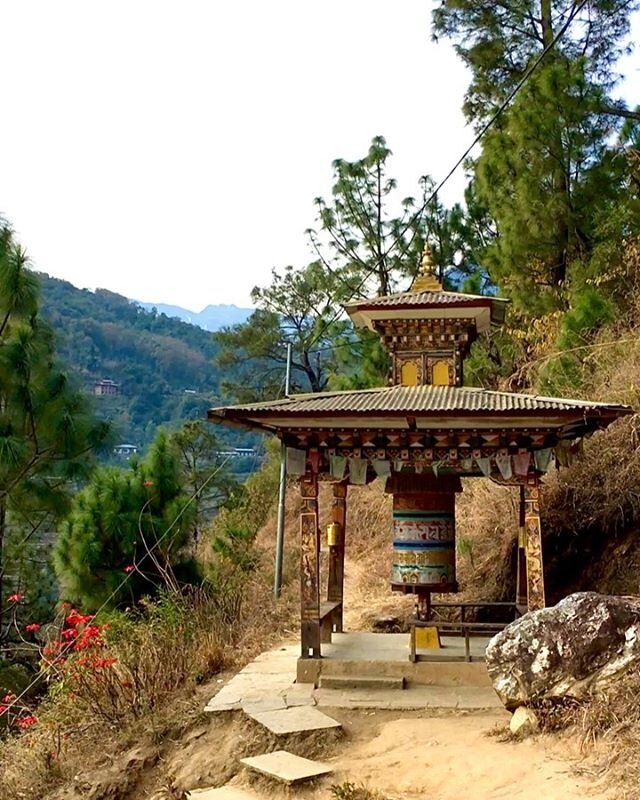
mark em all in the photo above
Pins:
pixel 297 308
pixel 206 476
pixel 366 236
pixel 499 41
pixel 548 172
pixel 366 241
pixel 47 432
pixel 133 523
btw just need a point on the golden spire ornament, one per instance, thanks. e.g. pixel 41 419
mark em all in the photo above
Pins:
pixel 426 280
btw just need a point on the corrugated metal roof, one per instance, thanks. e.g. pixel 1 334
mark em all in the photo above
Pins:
pixel 424 299
pixel 416 400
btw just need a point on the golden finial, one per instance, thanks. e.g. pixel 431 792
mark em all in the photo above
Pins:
pixel 425 280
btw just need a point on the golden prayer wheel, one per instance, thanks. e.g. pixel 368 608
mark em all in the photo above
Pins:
pixel 334 534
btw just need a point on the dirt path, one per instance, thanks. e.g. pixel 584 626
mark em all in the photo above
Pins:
pixel 451 757
pixel 411 756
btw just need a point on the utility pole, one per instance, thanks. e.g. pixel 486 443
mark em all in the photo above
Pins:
pixel 277 580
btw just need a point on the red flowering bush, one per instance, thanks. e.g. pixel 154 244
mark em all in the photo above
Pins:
pixel 74 618
pixel 59 656
pixel 108 677
pixel 16 712
pixel 27 722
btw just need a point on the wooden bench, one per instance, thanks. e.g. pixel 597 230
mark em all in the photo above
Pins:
pixel 327 613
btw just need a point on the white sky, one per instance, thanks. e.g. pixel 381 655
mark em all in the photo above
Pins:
pixel 171 151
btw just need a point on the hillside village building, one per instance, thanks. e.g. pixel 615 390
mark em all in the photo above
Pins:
pixel 106 388
pixel 422 434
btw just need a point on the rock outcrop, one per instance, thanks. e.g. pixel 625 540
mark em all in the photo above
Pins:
pixel 572 649
pixel 524 722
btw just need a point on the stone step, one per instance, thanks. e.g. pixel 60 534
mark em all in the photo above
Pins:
pixel 286 767
pixel 459 698
pixel 297 719
pixel 367 682
pixel 227 792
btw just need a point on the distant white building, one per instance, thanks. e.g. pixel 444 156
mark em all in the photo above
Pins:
pixel 237 452
pixel 125 450
pixel 106 387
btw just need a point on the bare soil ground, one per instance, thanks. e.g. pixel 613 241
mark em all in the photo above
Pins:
pixel 452 756
pixel 402 755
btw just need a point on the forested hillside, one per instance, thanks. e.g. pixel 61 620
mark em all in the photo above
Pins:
pixel 164 368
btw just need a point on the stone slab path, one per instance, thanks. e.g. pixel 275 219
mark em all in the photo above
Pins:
pixel 293 720
pixel 286 767
pixel 268 685
pixel 227 792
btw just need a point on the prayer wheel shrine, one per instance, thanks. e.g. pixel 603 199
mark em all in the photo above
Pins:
pixel 421 434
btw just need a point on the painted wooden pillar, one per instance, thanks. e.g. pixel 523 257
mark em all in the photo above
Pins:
pixel 533 534
pixel 309 568
pixel 521 557
pixel 335 588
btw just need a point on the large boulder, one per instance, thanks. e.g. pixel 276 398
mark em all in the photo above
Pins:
pixel 572 649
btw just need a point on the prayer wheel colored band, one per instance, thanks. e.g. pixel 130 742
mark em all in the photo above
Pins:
pixel 424 540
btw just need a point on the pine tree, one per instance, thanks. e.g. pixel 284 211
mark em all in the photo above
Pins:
pixel 549 169
pixel 47 431
pixel 365 235
pixel 205 473
pixel 547 174
pixel 134 524
pixel 499 41
pixel 297 308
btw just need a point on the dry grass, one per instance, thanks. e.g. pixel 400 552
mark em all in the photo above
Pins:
pixel 151 695
pixel 607 729
pixel 591 513
pixel 352 791
pixel 487 519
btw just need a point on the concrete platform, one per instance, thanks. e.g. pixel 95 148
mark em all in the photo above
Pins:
pixel 429 698
pixel 367 682
pixel 370 664
pixel 364 646
pixel 386 655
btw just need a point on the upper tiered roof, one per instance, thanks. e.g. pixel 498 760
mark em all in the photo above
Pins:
pixel 427 300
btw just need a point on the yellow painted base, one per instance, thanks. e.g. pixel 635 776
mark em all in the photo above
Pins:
pixel 427 639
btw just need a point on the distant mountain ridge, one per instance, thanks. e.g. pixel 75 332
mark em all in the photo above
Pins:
pixel 211 318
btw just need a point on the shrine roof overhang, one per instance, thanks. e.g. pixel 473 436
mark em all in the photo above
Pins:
pixel 422 408
pixel 485 310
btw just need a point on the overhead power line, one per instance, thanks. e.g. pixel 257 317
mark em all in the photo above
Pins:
pixel 493 119
pixel 481 133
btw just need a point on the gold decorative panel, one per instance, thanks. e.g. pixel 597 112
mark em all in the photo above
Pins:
pixel 410 374
pixel 440 374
